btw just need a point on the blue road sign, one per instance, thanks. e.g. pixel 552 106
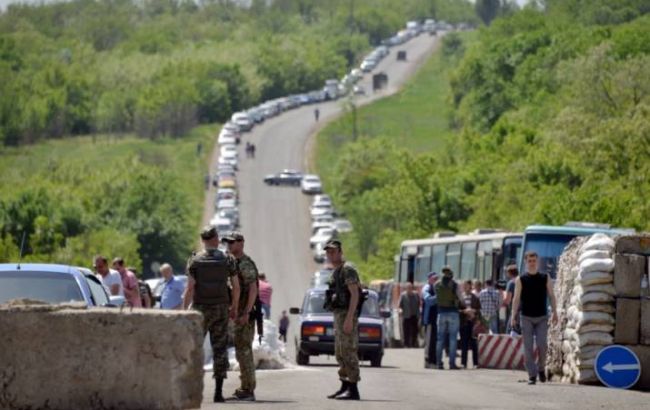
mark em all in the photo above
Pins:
pixel 617 366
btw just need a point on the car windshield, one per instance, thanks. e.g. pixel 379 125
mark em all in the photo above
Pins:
pixel 49 287
pixel 548 247
pixel 314 305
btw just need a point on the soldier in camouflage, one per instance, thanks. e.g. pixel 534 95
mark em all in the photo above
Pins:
pixel 207 291
pixel 244 322
pixel 343 300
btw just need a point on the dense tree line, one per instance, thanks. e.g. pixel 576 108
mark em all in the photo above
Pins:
pixel 552 110
pixel 159 67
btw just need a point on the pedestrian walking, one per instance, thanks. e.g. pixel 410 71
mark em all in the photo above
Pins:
pixel 266 291
pixel 409 303
pixel 248 149
pixel 449 299
pixel 513 274
pixel 491 302
pixel 469 317
pixel 245 320
pixel 109 278
pixel 284 326
pixel 532 290
pixel 429 318
pixel 146 297
pixel 207 291
pixel 342 298
pixel 253 149
pixel 316 114
pixel 129 283
pixel 172 294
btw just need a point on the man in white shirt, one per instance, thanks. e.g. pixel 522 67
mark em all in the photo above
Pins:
pixel 110 279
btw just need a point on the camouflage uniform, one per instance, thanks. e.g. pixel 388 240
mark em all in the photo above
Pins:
pixel 346 346
pixel 215 320
pixel 244 334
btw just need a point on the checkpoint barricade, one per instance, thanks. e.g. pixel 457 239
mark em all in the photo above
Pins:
pixel 501 352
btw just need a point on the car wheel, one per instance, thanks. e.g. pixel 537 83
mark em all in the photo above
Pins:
pixel 302 359
pixel 375 360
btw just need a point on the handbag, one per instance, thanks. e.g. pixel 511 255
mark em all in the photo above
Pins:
pixel 480 327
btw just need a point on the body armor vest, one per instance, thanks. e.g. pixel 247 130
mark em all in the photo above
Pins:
pixel 211 275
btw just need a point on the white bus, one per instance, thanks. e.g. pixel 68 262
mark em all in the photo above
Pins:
pixel 482 254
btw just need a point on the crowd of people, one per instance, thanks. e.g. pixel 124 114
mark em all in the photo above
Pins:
pixel 448 311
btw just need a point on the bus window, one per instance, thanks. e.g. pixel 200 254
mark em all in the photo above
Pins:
pixel 511 254
pixel 403 270
pixel 485 260
pixel 423 263
pixel 453 257
pixel 438 258
pixel 548 247
pixel 468 261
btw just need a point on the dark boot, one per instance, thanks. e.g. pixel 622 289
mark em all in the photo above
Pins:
pixel 218 391
pixel 343 389
pixel 352 393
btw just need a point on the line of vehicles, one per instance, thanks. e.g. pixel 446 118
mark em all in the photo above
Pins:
pixel 482 254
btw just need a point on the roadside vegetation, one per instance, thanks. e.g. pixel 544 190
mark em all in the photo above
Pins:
pixel 549 112
pixel 99 104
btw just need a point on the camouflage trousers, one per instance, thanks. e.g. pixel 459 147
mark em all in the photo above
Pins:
pixel 244 335
pixel 346 348
pixel 215 321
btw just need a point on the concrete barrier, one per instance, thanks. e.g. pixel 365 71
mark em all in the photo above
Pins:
pixel 70 357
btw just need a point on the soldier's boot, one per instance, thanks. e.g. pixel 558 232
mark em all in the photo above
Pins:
pixel 218 391
pixel 352 393
pixel 343 389
pixel 244 395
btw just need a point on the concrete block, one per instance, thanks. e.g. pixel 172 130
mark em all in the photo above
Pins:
pixel 628 315
pixel 643 353
pixel 628 271
pixel 69 357
pixel 639 244
pixel 644 337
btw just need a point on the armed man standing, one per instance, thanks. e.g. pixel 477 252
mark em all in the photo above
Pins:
pixel 207 290
pixel 343 299
pixel 245 320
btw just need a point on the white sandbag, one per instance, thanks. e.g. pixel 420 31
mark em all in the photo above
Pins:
pixel 566 347
pixel 589 352
pixel 595 338
pixel 598 242
pixel 597 265
pixel 594 278
pixel 570 334
pixel 595 254
pixel 605 287
pixel 596 297
pixel 596 318
pixel 595 328
pixel 586 376
pixel 599 307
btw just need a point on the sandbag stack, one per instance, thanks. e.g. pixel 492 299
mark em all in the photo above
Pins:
pixel 590 316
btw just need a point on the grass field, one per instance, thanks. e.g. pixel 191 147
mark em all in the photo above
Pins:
pixel 417 117
pixel 41 164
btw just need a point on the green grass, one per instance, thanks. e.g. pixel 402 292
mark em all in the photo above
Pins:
pixel 37 165
pixel 416 118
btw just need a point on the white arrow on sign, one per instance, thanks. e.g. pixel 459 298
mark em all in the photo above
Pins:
pixel 611 367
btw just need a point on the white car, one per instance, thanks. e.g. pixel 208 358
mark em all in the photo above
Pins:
pixel 227 138
pixel 315 226
pixel 321 210
pixel 231 162
pixel 321 199
pixel 368 65
pixel 329 218
pixel 321 236
pixel 342 225
pixel 311 184
pixel 231 126
pixel 319 253
pixel 226 203
pixel 223 225
pixel 229 151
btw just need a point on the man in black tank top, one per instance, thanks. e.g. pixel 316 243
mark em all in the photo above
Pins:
pixel 532 290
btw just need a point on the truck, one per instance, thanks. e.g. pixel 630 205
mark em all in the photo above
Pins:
pixel 331 89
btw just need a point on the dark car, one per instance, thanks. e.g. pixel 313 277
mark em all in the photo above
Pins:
pixel 51 283
pixel 317 329
pixel 286 177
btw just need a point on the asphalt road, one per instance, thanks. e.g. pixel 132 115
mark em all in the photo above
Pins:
pixel 276 224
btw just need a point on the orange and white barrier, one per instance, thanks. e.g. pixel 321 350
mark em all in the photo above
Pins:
pixel 501 352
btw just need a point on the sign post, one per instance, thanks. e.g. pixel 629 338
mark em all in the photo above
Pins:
pixel 617 367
